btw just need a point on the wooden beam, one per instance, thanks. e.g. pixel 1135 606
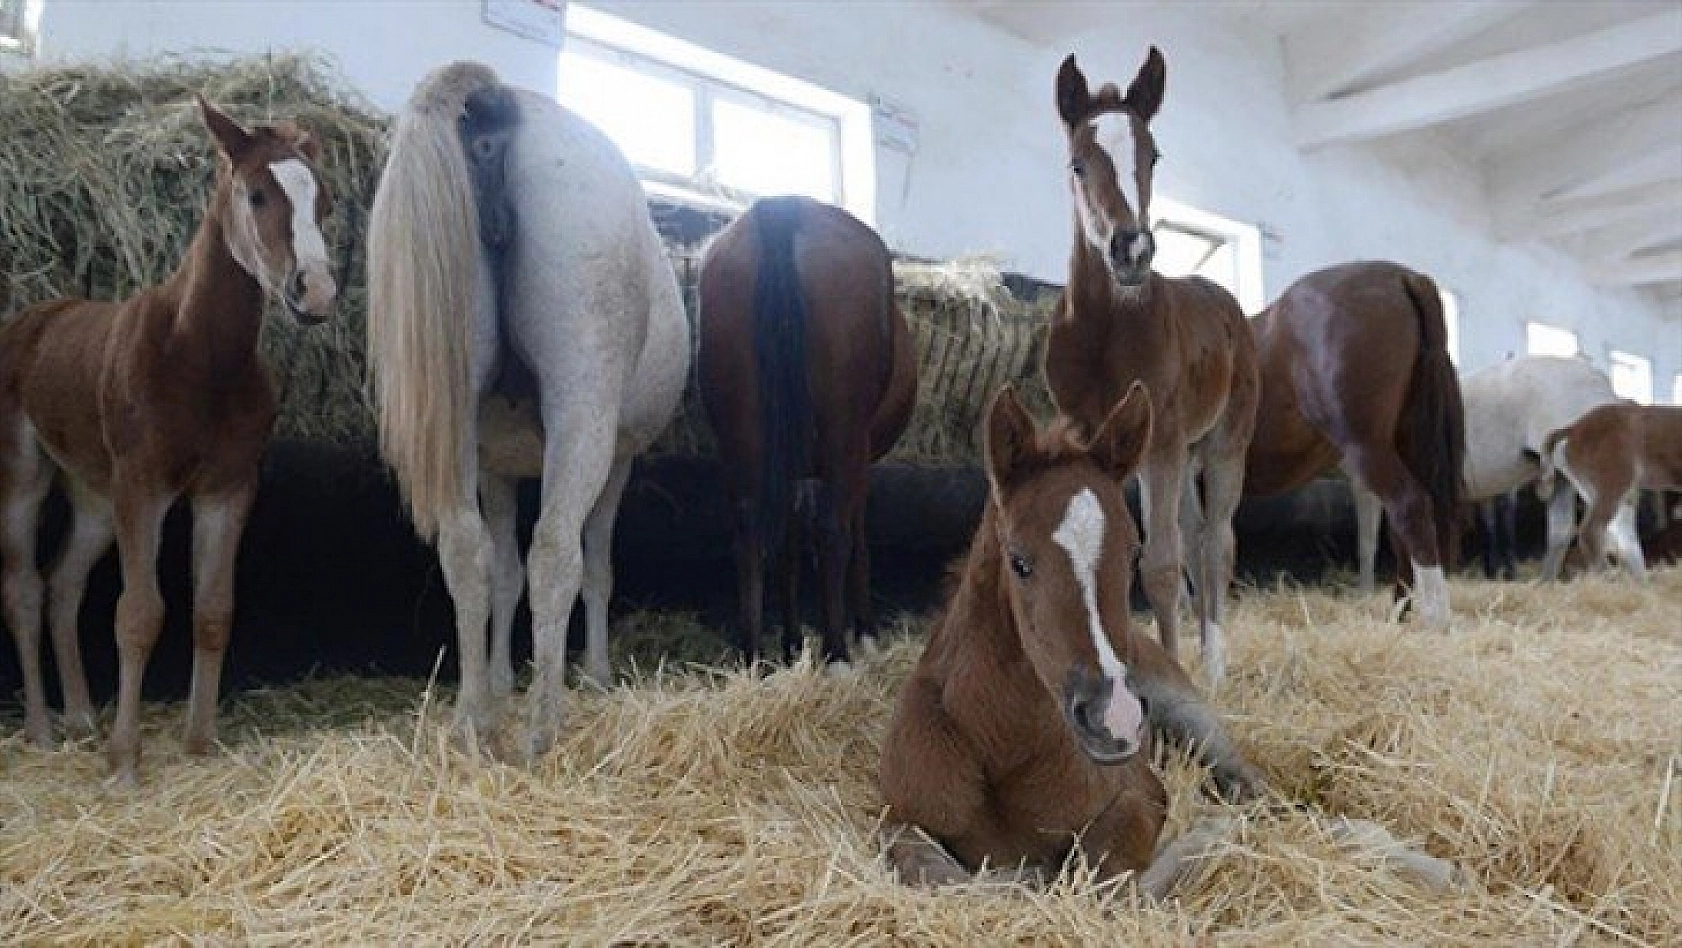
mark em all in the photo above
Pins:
pixel 1537 168
pixel 1488 84
pixel 1640 171
pixel 1661 225
pixel 1639 271
pixel 1338 53
pixel 1573 217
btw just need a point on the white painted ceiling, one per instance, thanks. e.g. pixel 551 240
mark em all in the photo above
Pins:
pixel 1571 109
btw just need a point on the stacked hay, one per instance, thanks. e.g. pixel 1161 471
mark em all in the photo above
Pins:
pixel 103 177
pixel 1536 746
pixel 103 174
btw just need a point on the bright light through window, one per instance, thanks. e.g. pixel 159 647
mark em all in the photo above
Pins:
pixel 650 118
pixel 1192 241
pixel 1632 377
pixel 1542 339
pixel 1676 390
pixel 762 152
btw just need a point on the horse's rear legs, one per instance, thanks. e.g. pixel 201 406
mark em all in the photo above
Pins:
pixel 499 500
pixel 598 570
pixel 90 536
pixel 25 478
pixel 1413 523
pixel 218 522
pixel 1179 713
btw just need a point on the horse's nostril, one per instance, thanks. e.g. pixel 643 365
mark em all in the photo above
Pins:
pixel 295 287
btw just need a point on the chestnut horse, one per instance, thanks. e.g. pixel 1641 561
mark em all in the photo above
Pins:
pixel 1185 339
pixel 1021 726
pixel 1355 368
pixel 1609 455
pixel 806 369
pixel 147 401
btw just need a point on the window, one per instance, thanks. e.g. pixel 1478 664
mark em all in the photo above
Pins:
pixel 1191 241
pixel 1542 339
pixel 1632 376
pixel 19 20
pixel 1676 389
pixel 1451 323
pixel 711 130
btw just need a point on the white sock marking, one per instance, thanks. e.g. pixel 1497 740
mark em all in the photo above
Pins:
pixel 1430 595
pixel 1081 535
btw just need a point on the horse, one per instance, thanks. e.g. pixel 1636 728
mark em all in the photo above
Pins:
pixel 1610 454
pixel 140 403
pixel 1026 726
pixel 1185 339
pixel 523 321
pixel 1355 368
pixel 806 368
pixel 1510 408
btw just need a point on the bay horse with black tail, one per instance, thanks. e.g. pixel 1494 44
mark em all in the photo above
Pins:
pixel 807 370
pixel 1185 339
pixel 1355 369
pixel 1024 729
pixel 522 321
pixel 1611 454
pixel 141 403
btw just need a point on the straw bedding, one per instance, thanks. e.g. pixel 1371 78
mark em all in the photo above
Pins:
pixel 1537 745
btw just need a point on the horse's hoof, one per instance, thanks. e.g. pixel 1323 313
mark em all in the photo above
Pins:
pixel 40 733
pixel 199 745
pixel 123 777
pixel 80 725
pixel 599 676
pixel 538 746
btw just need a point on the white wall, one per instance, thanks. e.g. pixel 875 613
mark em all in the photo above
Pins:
pixel 988 176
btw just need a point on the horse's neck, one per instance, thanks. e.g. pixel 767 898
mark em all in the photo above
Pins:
pixel 218 316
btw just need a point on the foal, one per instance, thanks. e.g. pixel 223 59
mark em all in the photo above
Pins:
pixel 1022 725
pixel 143 402
pixel 1185 339
pixel 1609 454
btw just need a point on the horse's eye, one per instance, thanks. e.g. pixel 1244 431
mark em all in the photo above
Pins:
pixel 1078 166
pixel 258 199
pixel 1020 565
pixel 1156 156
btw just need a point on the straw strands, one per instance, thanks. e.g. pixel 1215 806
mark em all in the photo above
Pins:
pixel 1536 745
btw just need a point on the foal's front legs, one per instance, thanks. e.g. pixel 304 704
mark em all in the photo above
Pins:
pixel 1161 568
pixel 140 512
pixel 218 523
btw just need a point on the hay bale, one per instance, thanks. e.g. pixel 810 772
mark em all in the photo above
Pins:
pixel 1535 746
pixel 103 176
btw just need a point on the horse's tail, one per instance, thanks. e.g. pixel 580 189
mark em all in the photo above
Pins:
pixel 779 347
pixel 423 275
pixel 1550 458
pixel 1432 428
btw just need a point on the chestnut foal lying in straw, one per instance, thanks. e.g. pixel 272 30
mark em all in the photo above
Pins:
pixel 1021 728
pixel 143 402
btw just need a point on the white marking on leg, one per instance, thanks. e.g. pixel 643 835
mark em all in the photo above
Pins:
pixel 1430 595
pixel 1214 654
pixel 1626 541
pixel 1081 535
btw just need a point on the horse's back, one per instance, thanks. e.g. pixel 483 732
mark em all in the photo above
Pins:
pixel 1511 408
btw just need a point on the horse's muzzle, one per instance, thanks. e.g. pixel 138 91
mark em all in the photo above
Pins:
pixel 1131 253
pixel 1086 700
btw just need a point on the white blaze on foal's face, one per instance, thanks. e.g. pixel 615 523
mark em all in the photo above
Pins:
pixel 1081 535
pixel 309 248
pixel 1113 131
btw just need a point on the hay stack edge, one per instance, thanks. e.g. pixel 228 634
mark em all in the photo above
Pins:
pixel 1537 745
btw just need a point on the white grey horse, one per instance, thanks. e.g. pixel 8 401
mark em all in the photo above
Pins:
pixel 523 321
pixel 1510 409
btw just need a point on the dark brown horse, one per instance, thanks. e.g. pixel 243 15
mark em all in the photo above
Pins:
pixel 807 370
pixel 1184 339
pixel 1355 370
pixel 143 402
pixel 1022 725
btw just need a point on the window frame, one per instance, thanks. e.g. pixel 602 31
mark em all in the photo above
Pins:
pixel 1245 240
pixel 20 28
pixel 712 77
pixel 1617 359
pixel 1530 343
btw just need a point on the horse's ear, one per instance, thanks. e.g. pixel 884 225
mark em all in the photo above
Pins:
pixel 1122 438
pixel 309 146
pixel 1074 100
pixel 231 139
pixel 1144 96
pixel 1010 437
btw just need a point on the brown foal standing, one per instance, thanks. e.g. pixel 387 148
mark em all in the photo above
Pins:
pixel 1610 454
pixel 143 402
pixel 1185 339
pixel 1020 729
